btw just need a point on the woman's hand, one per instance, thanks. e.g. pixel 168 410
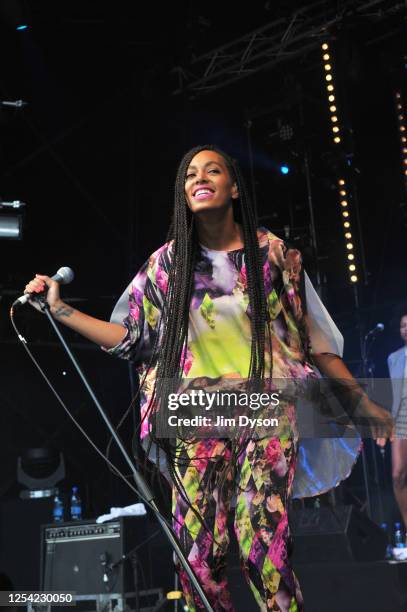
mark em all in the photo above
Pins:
pixel 38 285
pixel 377 419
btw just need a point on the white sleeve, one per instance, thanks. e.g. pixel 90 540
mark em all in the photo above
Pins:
pixel 325 337
pixel 121 309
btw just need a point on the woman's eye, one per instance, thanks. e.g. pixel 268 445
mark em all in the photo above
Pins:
pixel 188 176
pixel 215 170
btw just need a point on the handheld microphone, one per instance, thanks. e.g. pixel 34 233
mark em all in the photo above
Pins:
pixel 63 277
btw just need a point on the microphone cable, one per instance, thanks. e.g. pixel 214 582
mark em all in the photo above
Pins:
pixel 111 465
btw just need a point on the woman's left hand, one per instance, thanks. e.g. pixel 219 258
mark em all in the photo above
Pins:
pixel 378 419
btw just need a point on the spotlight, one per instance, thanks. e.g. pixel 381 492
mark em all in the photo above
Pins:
pixel 351 256
pixel 337 139
pixel 346 224
pixel 21 27
pixel 349 246
pixel 328 77
pixel 345 213
pixel 354 278
pixel 331 98
pixel 11 219
pixel 284 169
pixel 330 87
pixel 352 267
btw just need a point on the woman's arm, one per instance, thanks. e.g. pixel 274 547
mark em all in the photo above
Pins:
pixel 357 403
pixel 103 333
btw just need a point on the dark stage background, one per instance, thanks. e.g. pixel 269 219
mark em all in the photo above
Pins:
pixel 94 155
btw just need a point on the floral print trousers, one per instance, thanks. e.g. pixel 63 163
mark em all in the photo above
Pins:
pixel 259 480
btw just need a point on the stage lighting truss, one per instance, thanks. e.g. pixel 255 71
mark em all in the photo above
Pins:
pixel 402 127
pixel 348 233
pixel 331 93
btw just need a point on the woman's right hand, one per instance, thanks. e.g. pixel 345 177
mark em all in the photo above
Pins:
pixel 38 285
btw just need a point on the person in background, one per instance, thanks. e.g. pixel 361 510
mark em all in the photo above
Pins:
pixel 397 363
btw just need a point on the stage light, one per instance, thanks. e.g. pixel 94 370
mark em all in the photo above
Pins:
pixel 341 182
pixel 331 98
pixel 284 169
pixel 346 224
pixel 324 46
pixel 348 235
pixel 351 256
pixel 337 139
pixel 330 87
pixel 345 213
pixel 344 203
pixel 328 77
pixel 354 278
pixel 342 192
pixel 352 267
pixel 325 57
pixel 23 26
pixel 349 246
pixel 332 108
pixel 334 118
pixel 401 118
pixel 11 219
pixel 328 67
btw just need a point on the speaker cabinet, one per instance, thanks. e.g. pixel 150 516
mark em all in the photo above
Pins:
pixel 333 534
pixel 87 557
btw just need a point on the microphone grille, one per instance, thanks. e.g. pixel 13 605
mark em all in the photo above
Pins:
pixel 66 275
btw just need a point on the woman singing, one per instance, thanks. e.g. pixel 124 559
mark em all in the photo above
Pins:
pixel 222 300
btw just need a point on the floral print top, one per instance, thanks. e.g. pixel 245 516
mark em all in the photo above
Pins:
pixel 219 338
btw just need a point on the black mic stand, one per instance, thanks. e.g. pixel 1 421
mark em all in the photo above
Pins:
pixel 368 375
pixel 141 484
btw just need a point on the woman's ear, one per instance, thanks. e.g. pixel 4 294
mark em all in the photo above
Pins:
pixel 235 192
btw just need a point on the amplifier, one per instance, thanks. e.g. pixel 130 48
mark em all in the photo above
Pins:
pixel 87 557
pixel 334 534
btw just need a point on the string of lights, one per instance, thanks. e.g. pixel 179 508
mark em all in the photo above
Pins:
pixel 330 87
pixel 343 191
pixel 401 120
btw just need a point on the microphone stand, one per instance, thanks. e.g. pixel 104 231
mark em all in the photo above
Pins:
pixel 367 369
pixel 142 486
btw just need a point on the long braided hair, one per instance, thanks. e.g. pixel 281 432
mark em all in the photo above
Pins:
pixel 171 352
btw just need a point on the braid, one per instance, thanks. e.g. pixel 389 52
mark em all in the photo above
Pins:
pixel 171 353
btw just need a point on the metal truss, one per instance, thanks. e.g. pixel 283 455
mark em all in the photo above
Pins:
pixel 278 41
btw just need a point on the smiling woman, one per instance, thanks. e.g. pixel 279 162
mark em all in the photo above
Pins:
pixel 220 302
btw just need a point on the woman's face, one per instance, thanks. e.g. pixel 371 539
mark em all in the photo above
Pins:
pixel 208 184
pixel 403 328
